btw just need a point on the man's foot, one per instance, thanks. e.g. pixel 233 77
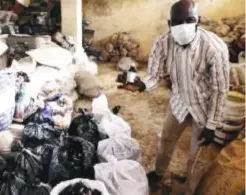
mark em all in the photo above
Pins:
pixel 155 181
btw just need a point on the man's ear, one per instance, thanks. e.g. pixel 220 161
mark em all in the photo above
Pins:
pixel 169 23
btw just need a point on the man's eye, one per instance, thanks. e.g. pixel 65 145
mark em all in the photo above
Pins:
pixel 191 20
pixel 175 23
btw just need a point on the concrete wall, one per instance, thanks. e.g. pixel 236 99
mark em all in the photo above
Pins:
pixel 145 19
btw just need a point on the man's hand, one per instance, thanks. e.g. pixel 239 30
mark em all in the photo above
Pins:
pixel 206 137
pixel 138 85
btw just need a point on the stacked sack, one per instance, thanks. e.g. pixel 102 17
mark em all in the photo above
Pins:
pixel 46 156
pixel 234 110
pixel 119 154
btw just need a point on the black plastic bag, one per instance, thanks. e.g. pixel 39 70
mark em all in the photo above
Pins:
pixel 45 151
pixel 35 134
pixel 10 184
pixel 36 188
pixel 79 189
pixel 3 165
pixel 85 127
pixel 74 158
pixel 40 117
pixel 27 164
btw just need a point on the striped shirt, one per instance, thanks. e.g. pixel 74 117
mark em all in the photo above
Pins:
pixel 199 75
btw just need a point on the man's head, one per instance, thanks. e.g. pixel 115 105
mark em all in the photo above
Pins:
pixel 184 19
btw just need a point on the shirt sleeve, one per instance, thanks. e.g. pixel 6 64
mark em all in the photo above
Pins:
pixel 219 79
pixel 156 64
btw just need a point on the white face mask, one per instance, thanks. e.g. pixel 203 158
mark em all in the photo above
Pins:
pixel 183 34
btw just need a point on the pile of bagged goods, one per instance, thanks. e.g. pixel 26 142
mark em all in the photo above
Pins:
pixel 121 45
pixel 232 31
pixel 44 149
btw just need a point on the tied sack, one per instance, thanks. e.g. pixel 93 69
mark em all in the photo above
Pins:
pixel 75 157
pixel 28 164
pixel 122 147
pixel 116 175
pixel 86 127
pixel 55 57
pixel 6 140
pixel 110 123
pixel 84 63
pixel 66 187
pixel 7 98
pixel 10 184
pixel 87 84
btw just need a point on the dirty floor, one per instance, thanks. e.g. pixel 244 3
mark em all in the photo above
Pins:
pixel 146 112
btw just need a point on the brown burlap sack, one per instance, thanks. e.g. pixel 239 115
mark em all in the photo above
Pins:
pixel 87 84
pixel 227 173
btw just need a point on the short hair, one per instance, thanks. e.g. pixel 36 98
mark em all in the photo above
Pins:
pixel 195 7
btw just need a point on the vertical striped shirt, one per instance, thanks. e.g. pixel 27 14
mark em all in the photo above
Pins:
pixel 199 73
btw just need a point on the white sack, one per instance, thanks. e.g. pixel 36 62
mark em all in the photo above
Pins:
pixel 97 185
pixel 6 139
pixel 109 122
pixel 27 65
pixel 56 57
pixel 7 98
pixel 122 147
pixel 125 64
pixel 3 47
pixel 124 177
pixel 84 63
pixel 42 75
pixel 25 3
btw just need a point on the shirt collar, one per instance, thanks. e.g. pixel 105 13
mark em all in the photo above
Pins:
pixel 195 41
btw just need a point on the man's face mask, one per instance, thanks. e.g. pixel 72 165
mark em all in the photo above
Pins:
pixel 183 34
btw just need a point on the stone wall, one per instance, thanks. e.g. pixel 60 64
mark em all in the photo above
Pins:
pixel 145 19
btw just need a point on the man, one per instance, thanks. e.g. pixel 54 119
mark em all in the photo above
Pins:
pixel 198 64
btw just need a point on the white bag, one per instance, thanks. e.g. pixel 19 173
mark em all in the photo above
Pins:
pixel 84 63
pixel 124 177
pixel 46 74
pixel 25 3
pixel 7 98
pixel 56 57
pixel 3 47
pixel 88 183
pixel 125 64
pixel 110 123
pixel 6 140
pixel 122 147
pixel 39 77
pixel 26 64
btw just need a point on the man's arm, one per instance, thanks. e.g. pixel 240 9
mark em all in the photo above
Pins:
pixel 219 75
pixel 156 63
